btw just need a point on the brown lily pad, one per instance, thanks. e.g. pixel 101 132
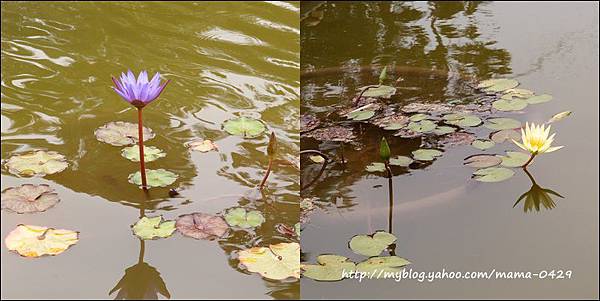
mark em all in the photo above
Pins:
pixel 334 133
pixel 407 133
pixel 308 122
pixel 482 161
pixel 201 226
pixel 431 108
pixel 458 138
pixel 391 122
pixel 505 135
pixel 29 198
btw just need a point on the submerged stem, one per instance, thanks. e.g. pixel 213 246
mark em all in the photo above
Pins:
pixel 141 147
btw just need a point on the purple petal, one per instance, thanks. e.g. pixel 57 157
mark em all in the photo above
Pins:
pixel 142 78
pixel 122 94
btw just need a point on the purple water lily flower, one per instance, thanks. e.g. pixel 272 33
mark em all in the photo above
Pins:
pixel 139 92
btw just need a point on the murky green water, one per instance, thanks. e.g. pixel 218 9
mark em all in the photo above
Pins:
pixel 224 60
pixel 442 218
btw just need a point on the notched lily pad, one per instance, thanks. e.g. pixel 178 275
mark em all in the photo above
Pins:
pixel 418 117
pixel 36 241
pixel 430 108
pixel 29 198
pixel 201 226
pixel 423 126
pixel 493 174
pixel 498 85
pixel 383 263
pixel 329 268
pixel 153 227
pixel 244 126
pixel 502 124
pixel 334 133
pixel 375 167
pixel 37 163
pixel 371 245
pixel 505 135
pixel 151 153
pixel 443 130
pixel 514 159
pixel 483 144
pixel 154 178
pixel 239 217
pixel 539 99
pixel 361 115
pixel 120 133
pixel 381 91
pixel 457 138
pixel 202 145
pixel 482 161
pixel 462 120
pixel 407 133
pixel 277 262
pixel 510 105
pixel 401 161
pixel 424 154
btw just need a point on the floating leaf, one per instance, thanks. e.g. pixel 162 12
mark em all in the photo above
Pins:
pixel 376 167
pixel 502 123
pixel 29 198
pixel 375 265
pixel 407 133
pixel 483 144
pixel 119 133
pixel 153 227
pixel 424 154
pixel 371 245
pixel 517 93
pixel 391 122
pixel 317 158
pixel 492 174
pixel 308 123
pixel 244 126
pixel 151 153
pixel 154 178
pixel 422 126
pixel 361 115
pixel 202 145
pixel 458 138
pixel 431 108
pixel 514 159
pixel 504 135
pixel 499 85
pixel 510 105
pixel 329 268
pixel 418 117
pixel 334 133
pixel 559 116
pixel 382 91
pixel 36 241
pixel 394 126
pixel 37 163
pixel 539 99
pixel 490 82
pixel 244 219
pixel 201 226
pixel 276 262
pixel 482 161
pixel 443 130
pixel 401 161
pixel 462 120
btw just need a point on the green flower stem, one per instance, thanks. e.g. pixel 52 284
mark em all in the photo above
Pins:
pixel 141 147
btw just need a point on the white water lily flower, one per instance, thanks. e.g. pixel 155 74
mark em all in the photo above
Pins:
pixel 535 139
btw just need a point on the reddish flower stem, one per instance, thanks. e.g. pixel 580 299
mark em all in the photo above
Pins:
pixel 141 147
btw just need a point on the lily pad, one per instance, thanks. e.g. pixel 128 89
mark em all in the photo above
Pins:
pixel 482 161
pixel 424 154
pixel 151 153
pixel 539 99
pixel 154 178
pixel 408 134
pixel 329 268
pixel 443 130
pixel 510 105
pixel 202 145
pixel 375 167
pixel 36 241
pixel 382 91
pixel 29 198
pixel 504 135
pixel 493 174
pixel 502 124
pixel 371 245
pixel 383 263
pixel 308 123
pixel 317 158
pixel 457 138
pixel 244 219
pixel 401 161
pixel 422 126
pixel 277 262
pixel 153 227
pixel 517 93
pixel 244 126
pixel 462 120
pixel 514 159
pixel 499 85
pixel 483 144
pixel 201 226
pixel 37 163
pixel 334 133
pixel 418 117
pixel 361 115
pixel 431 108
pixel 120 133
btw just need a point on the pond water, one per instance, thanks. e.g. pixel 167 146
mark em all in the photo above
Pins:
pixel 442 218
pixel 224 60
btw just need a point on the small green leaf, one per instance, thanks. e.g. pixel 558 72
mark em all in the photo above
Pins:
pixel 492 174
pixel 382 91
pixel 424 154
pixel 151 153
pixel 510 105
pixel 245 127
pixel 244 219
pixel 376 167
pixel 462 120
pixel 443 130
pixel 514 159
pixel 418 117
pixel 502 124
pixel 499 85
pixel 154 178
pixel 153 227
pixel 539 99
pixel 371 245
pixel 401 161
pixel 504 135
pixel 361 115
pixel 483 144
pixel 422 126
pixel 329 268
pixel 376 265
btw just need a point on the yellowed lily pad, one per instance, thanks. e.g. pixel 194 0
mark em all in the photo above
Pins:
pixel 277 262
pixel 203 146
pixel 29 198
pixel 368 245
pixel 37 163
pixel 120 133
pixel 382 263
pixel 424 154
pixel 329 268
pixel 151 153
pixel 382 91
pixel 36 241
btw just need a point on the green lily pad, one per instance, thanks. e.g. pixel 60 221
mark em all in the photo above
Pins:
pixel 443 130
pixel 514 159
pixel 418 117
pixel 502 124
pixel 539 99
pixel 504 135
pixel 154 178
pixel 375 167
pixel 329 268
pixel 361 115
pixel 401 161
pixel 371 245
pixel 382 91
pixel 151 153
pixel 482 161
pixel 37 163
pixel 483 144
pixel 499 85
pixel 244 219
pixel 394 126
pixel 510 105
pixel 493 174
pixel 422 126
pixel 462 120
pixel 120 133
pixel 424 154
pixel 245 127
pixel 383 263
pixel 517 93
pixel 153 227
